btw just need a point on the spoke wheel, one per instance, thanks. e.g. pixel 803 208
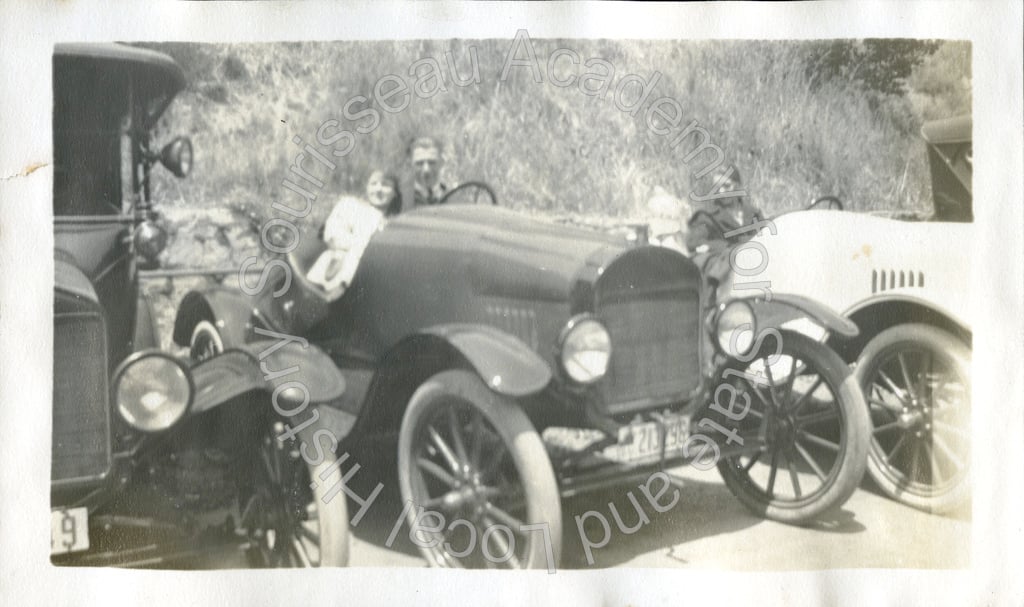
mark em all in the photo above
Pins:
pixel 289 520
pixel 206 342
pixel 916 381
pixel 476 473
pixel 806 409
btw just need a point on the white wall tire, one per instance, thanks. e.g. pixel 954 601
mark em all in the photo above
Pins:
pixel 205 343
pixel 474 456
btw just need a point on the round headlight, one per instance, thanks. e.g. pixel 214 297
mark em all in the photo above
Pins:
pixel 176 156
pixel 586 350
pixel 150 240
pixel 735 328
pixel 152 391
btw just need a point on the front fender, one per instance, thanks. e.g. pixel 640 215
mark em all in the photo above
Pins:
pixel 264 366
pixel 785 308
pixel 504 363
pixel 230 311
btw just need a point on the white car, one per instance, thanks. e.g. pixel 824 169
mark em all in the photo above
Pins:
pixel 904 282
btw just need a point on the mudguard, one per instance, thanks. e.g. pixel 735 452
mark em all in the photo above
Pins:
pixel 264 366
pixel 229 310
pixel 505 364
pixel 785 307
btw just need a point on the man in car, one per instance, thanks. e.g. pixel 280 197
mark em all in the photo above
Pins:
pixel 426 162
pixel 708 228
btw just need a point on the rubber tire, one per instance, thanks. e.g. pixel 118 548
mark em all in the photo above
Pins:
pixel 857 426
pixel 953 350
pixel 204 328
pixel 523 442
pixel 333 520
pixel 332 516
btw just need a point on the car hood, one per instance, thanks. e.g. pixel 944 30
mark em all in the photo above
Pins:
pixel 507 253
pixel 844 259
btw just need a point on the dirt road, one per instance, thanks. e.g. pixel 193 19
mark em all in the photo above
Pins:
pixel 709 528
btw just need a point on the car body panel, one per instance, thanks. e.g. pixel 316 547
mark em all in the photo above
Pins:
pixel 461 264
pixel 238 371
pixel 495 290
pixel 869 260
pixel 69 278
pixel 956 129
pixel 153 63
pixel 787 308
pixel 506 365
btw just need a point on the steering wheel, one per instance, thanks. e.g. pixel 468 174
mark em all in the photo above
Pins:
pixel 699 213
pixel 472 191
pixel 830 203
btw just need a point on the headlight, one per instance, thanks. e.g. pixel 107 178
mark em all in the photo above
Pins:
pixel 735 328
pixel 586 350
pixel 176 156
pixel 150 240
pixel 152 391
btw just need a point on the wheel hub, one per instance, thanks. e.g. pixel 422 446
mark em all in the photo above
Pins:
pixel 916 418
pixel 785 431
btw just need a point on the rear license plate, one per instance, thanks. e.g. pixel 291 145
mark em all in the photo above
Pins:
pixel 69 530
pixel 641 442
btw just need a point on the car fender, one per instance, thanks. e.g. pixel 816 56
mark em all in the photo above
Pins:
pixel 787 310
pixel 230 311
pixel 948 319
pixel 291 374
pixel 504 363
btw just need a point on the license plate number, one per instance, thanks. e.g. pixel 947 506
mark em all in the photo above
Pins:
pixel 69 530
pixel 642 442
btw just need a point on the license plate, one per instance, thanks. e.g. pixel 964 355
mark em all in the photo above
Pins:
pixel 69 530
pixel 642 441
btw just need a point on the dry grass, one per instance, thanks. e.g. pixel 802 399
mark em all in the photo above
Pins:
pixel 791 135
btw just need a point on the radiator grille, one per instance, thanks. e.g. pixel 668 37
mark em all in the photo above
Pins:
pixel 81 422
pixel 655 350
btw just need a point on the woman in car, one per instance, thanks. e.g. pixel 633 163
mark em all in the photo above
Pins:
pixel 348 230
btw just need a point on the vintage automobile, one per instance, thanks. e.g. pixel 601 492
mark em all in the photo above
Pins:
pixel 903 279
pixel 511 361
pixel 157 462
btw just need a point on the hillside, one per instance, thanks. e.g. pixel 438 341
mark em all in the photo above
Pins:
pixel 797 119
pixel 794 122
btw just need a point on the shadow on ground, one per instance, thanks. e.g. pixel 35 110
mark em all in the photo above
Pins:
pixel 704 509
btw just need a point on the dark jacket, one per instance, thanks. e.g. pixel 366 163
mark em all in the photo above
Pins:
pixel 413 197
pixel 709 227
